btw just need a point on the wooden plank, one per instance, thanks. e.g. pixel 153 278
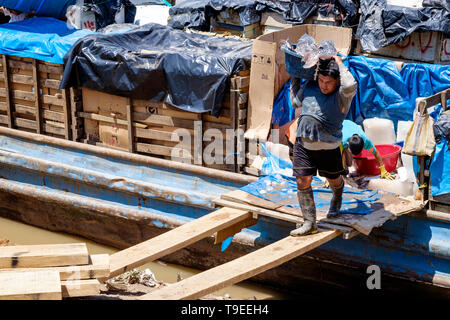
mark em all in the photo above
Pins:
pixel 175 239
pixel 426 102
pixel 66 112
pixel 130 127
pixel 157 135
pixel 7 93
pixel 37 99
pixel 99 117
pixel 155 119
pixel 80 288
pixel 241 268
pixel 38 285
pixel 198 143
pixel 98 267
pixel 258 210
pixel 46 114
pixel 162 150
pixel 231 231
pixel 49 255
pixel 31 124
pixel 55 69
pixel 245 197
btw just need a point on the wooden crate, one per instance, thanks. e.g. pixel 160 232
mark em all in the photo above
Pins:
pixel 30 98
pixel 161 130
pixel 250 31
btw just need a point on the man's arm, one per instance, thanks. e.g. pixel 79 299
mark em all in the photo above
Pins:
pixel 348 86
pixel 383 172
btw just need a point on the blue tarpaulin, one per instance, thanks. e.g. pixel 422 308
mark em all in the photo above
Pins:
pixel 386 92
pixel 283 112
pixel 439 171
pixel 42 38
pixel 48 8
pixel 383 90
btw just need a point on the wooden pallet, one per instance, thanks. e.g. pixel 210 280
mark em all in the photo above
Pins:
pixel 30 98
pixel 161 130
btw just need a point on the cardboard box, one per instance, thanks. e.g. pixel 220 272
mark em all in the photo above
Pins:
pixel 268 71
pixel 430 47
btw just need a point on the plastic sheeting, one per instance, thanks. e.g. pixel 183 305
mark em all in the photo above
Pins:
pixel 189 14
pixel 106 11
pixel 246 9
pixel 282 111
pixel 297 11
pixel 385 92
pixel 282 189
pixel 48 8
pixel 42 38
pixel 440 170
pixel 154 62
pixel 382 24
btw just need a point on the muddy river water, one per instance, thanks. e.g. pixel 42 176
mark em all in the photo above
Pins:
pixel 22 234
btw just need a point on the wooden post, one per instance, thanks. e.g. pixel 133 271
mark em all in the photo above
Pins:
pixel 198 143
pixel 234 114
pixel 37 97
pixel 130 126
pixel 8 93
pixel 66 110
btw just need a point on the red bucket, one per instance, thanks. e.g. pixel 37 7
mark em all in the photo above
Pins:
pixel 365 162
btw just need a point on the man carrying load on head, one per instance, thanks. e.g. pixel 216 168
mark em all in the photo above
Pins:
pixel 318 137
pixel 355 140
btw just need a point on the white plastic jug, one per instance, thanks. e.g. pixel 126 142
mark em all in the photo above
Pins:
pixel 379 131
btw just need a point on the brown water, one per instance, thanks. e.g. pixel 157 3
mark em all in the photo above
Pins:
pixel 22 234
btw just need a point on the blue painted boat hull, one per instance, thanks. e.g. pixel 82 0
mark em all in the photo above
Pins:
pixel 122 199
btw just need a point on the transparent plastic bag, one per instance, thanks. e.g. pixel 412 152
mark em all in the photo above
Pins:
pixel 312 52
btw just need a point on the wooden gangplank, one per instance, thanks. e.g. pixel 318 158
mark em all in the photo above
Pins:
pixel 176 239
pixel 241 268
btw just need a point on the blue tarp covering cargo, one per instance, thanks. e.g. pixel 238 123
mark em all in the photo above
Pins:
pixel 50 8
pixel 383 90
pixel 46 39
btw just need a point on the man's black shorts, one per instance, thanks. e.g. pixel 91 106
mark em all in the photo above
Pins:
pixel 307 162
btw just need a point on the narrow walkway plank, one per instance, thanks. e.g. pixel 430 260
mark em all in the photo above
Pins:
pixel 39 285
pixel 175 239
pixel 241 268
pixel 48 255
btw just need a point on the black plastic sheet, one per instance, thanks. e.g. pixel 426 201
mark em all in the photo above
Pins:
pixel 105 11
pixel 196 14
pixel 154 62
pixel 297 11
pixel 189 14
pixel 246 9
pixel 382 25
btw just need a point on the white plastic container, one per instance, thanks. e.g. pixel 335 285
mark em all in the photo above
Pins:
pixel 402 188
pixel 380 131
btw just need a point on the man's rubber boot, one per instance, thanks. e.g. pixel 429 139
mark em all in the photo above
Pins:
pixel 336 201
pixel 306 201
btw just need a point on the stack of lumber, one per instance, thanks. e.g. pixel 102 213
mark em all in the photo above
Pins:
pixel 162 130
pixel 30 98
pixel 50 272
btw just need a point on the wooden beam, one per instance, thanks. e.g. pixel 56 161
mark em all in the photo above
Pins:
pixel 38 285
pixel 66 112
pixel 37 97
pixel 49 255
pixel 99 117
pixel 131 146
pixel 80 288
pixel 175 239
pixel 98 267
pixel 241 268
pixel 231 231
pixel 7 93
